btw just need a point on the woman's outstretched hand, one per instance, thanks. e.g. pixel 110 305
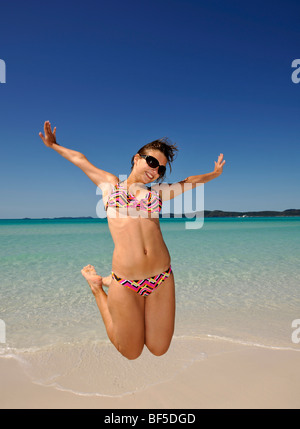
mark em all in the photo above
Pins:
pixel 219 165
pixel 50 137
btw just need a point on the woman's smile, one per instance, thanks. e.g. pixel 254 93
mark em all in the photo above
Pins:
pixel 149 175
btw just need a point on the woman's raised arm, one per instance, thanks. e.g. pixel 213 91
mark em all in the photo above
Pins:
pixel 96 175
pixel 172 190
pixel 204 178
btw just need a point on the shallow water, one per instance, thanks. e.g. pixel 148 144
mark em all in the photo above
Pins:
pixel 236 279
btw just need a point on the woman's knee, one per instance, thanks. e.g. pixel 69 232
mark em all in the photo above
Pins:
pixel 132 352
pixel 158 349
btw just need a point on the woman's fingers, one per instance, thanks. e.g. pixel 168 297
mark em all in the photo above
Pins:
pixel 220 159
pixel 219 164
pixel 47 129
pixel 50 137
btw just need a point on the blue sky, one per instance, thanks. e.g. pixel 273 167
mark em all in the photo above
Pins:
pixel 213 76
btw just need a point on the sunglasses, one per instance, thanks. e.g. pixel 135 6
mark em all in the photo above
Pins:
pixel 153 163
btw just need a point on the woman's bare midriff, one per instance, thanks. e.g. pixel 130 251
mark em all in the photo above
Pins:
pixel 140 251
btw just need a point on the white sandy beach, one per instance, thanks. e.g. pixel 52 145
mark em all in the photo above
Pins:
pixel 236 377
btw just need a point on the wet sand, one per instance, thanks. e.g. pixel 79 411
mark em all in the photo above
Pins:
pixel 236 377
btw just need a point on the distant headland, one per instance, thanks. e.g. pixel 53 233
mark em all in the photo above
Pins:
pixel 207 214
pixel 266 213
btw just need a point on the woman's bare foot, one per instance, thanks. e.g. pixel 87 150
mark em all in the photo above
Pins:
pixel 93 279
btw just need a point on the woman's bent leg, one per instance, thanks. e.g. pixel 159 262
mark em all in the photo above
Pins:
pixel 122 315
pixel 160 317
pixel 127 313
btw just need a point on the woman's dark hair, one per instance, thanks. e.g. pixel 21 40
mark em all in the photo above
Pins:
pixel 163 145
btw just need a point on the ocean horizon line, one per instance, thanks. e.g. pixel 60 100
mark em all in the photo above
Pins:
pixel 207 214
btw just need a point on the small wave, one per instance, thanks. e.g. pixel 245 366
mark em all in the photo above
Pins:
pixel 95 368
pixel 253 344
pixel 238 342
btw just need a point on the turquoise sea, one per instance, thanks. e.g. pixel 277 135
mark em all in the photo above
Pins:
pixel 236 278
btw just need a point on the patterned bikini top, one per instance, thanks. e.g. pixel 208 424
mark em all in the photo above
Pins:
pixel 121 198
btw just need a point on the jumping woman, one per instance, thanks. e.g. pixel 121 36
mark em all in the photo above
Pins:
pixel 139 308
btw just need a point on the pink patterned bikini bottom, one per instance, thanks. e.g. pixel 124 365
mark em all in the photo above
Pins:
pixel 146 286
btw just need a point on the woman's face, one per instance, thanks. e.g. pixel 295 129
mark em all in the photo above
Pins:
pixel 142 169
